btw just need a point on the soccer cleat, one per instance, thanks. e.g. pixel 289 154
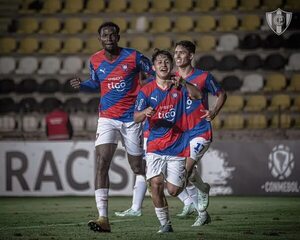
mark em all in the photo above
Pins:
pixel 187 210
pixel 129 213
pixel 202 219
pixel 203 198
pixel 100 225
pixel 166 228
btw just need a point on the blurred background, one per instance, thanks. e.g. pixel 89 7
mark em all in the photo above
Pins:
pixel 45 43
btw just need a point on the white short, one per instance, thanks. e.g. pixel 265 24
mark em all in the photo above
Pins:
pixel 198 146
pixel 108 131
pixel 173 168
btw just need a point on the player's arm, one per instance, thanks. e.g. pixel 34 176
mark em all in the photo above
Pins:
pixel 145 67
pixel 142 110
pixel 194 92
pixel 142 115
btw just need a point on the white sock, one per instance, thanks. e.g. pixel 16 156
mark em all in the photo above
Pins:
pixel 139 190
pixel 184 197
pixel 101 196
pixel 193 193
pixel 162 215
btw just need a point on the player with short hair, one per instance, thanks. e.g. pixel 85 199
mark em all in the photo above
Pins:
pixel 115 71
pixel 163 104
pixel 199 125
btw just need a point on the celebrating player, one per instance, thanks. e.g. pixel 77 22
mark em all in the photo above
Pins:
pixel 164 104
pixel 115 71
pixel 199 124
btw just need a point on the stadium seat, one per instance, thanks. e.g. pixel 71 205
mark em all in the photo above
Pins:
pixel 8 105
pixel 296 104
pixel 182 6
pixel 7 65
pixel 293 62
pixel 95 6
pixel 227 23
pixel 252 83
pixel 73 105
pixel 233 103
pixel 31 122
pixel 257 121
pixel 92 45
pixel 28 45
pixel 123 42
pixel 227 5
pixel 205 23
pixel 256 103
pixel 228 42
pixel 73 6
pixel 160 6
pixel 28 105
pixel 275 82
pixel 93 105
pixel 91 122
pixel 7 85
pixel 204 6
pixel 293 41
pixel 274 61
pixel 28 25
pixel 161 24
pixel 252 62
pixel 51 6
pixel 231 83
pixel 72 45
pixel 71 65
pixel 162 42
pixel 72 25
pixel 249 5
pixel 141 43
pixel 50 26
pixel 49 65
pixel 27 86
pixel 27 65
pixel 48 86
pixel 292 4
pixel 281 121
pixel 250 23
pixel 280 102
pixel 122 23
pixel 49 104
pixel 295 83
pixel 7 123
pixel 78 122
pixel 138 6
pixel 271 4
pixel 139 24
pixel 273 41
pixel 206 43
pixel 183 24
pixel 296 120
pixel 116 6
pixel 234 122
pixel 251 41
pixel 216 123
pixel 50 46
pixel 7 45
pixel 206 62
pixel 92 25
pixel 184 38
pixel 229 63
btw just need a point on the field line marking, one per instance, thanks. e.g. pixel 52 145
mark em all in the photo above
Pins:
pixel 62 224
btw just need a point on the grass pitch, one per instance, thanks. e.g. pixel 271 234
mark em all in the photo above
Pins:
pixel 232 218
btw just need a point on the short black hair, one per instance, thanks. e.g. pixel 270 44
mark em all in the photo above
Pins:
pixel 158 52
pixel 190 46
pixel 109 24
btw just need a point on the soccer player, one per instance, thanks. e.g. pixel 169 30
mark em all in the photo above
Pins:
pixel 199 124
pixel 115 71
pixel 163 104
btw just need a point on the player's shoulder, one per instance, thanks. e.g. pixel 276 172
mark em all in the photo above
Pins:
pixel 204 73
pixel 129 51
pixel 149 86
pixel 97 55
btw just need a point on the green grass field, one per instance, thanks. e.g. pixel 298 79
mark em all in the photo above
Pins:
pixel 232 218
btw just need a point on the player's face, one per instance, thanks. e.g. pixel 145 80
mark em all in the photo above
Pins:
pixel 163 67
pixel 182 56
pixel 109 38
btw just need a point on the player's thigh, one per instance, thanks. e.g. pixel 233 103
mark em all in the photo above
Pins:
pixel 198 146
pixel 155 165
pixel 132 137
pixel 175 172
pixel 107 131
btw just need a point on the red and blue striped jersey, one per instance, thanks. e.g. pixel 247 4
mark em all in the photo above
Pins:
pixel 168 126
pixel 118 81
pixel 200 127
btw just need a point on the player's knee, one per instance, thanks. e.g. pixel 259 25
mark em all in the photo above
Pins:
pixel 174 192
